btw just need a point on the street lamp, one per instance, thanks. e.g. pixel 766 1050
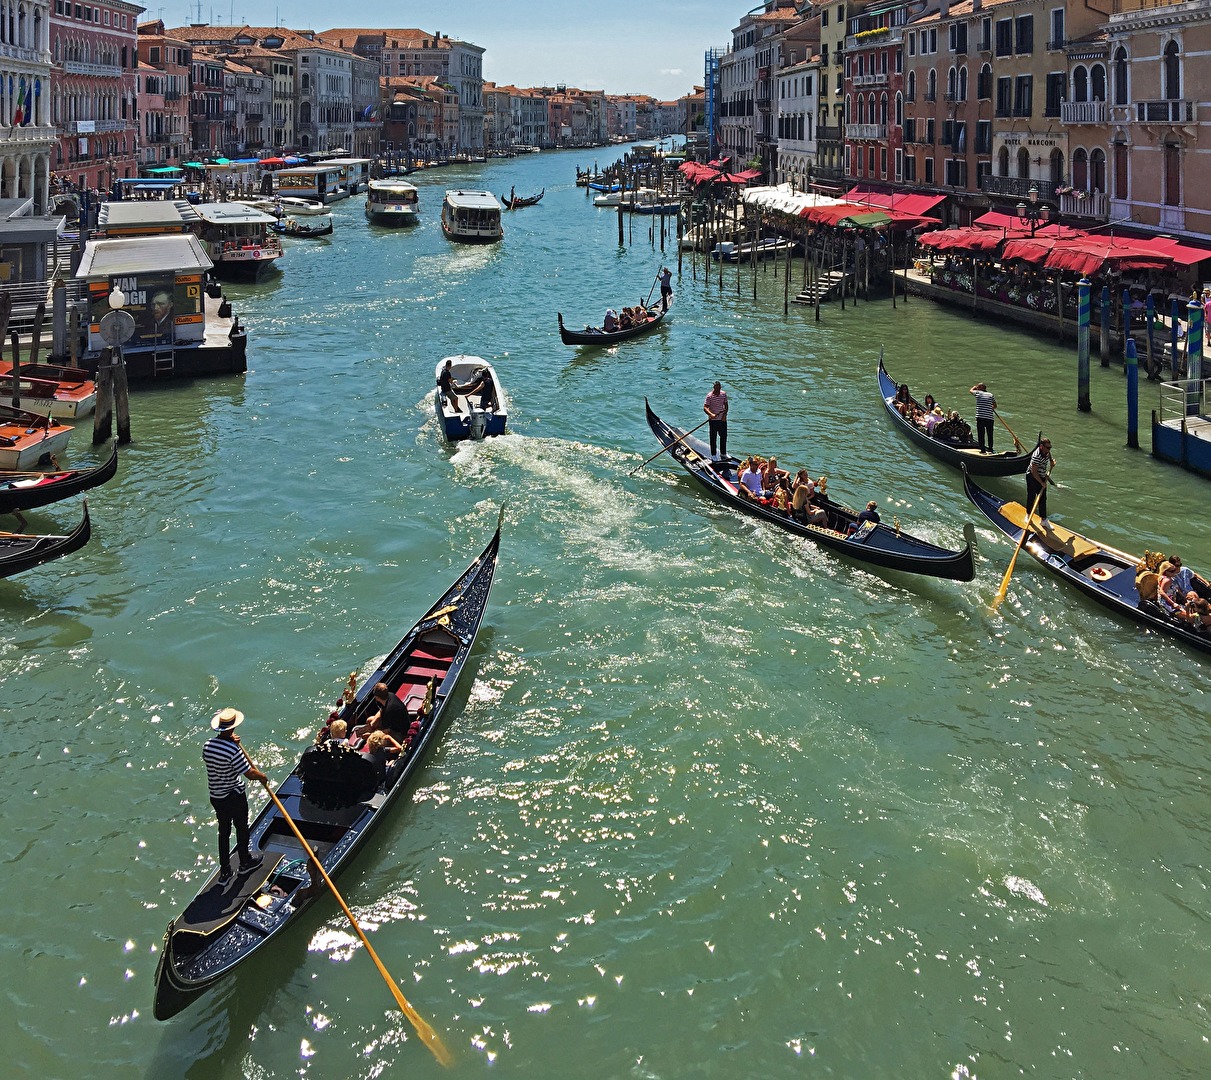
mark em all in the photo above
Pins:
pixel 1031 214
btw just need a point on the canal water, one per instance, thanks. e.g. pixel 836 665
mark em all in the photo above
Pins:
pixel 712 802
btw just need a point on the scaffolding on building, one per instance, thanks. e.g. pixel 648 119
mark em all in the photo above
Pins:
pixel 710 78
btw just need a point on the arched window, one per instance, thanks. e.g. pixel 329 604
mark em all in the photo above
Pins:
pixel 1080 169
pixel 931 86
pixel 984 83
pixel 1023 163
pixel 883 110
pixel 1120 76
pixel 1080 83
pixel 861 110
pixel 1097 170
pixel 1097 83
pixel 306 82
pixel 1172 73
pixel 912 86
pixel 899 110
pixel 1057 166
pixel 952 84
pixel 1003 161
pixel 963 83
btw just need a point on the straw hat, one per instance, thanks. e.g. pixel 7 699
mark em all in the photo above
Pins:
pixel 226 719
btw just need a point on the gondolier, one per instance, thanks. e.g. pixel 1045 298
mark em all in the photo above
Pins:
pixel 986 411
pixel 666 287
pixel 226 767
pixel 1037 478
pixel 715 407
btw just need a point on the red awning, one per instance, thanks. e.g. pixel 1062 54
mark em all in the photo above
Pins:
pixel 969 240
pixel 1181 254
pixel 272 161
pixel 1088 254
pixel 903 202
pixel 995 219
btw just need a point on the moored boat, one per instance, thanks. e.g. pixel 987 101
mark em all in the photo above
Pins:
pixel 23 552
pixel 392 202
pixel 67 393
pixel 28 439
pixel 766 248
pixel 476 408
pixel 954 450
pixel 471 217
pixel 335 798
pixel 238 240
pixel 28 490
pixel 873 543
pixel 595 335
pixel 1111 577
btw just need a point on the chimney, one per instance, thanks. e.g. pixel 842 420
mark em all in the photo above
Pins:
pixel 975 6
pixel 944 8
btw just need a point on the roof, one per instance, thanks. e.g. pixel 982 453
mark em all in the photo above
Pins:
pixel 232 213
pixel 158 212
pixel 473 200
pixel 143 255
pixel 907 203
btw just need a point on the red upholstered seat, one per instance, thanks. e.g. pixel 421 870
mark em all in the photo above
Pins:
pixel 425 671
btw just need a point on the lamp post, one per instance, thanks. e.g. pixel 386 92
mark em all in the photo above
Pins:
pixel 1032 213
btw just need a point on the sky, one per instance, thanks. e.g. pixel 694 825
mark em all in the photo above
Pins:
pixel 621 47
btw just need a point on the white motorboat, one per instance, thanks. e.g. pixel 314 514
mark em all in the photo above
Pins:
pixel 392 202
pixel 477 407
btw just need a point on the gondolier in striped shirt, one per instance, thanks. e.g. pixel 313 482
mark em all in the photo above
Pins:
pixel 715 407
pixel 986 411
pixel 226 767
pixel 1038 476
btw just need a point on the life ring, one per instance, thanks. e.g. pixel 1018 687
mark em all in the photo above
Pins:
pixel 1099 573
pixel 256 253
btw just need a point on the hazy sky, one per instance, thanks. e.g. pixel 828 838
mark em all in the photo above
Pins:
pixel 622 46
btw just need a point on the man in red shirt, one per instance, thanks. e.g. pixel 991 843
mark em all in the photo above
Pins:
pixel 715 407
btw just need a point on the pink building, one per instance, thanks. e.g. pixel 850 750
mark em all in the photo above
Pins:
pixel 94 91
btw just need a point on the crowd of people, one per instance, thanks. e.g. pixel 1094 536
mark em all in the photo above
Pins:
pixel 1170 585
pixel 931 418
pixel 628 318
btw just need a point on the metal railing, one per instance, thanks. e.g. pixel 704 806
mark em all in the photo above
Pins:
pixel 1017 187
pixel 1165 112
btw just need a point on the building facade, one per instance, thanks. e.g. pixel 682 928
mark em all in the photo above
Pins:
pixel 164 99
pixel 27 132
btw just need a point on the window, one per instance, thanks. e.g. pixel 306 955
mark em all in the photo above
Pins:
pixel 984 137
pixel 958 37
pixel 1080 169
pixel 911 93
pixel 1120 170
pixel 984 83
pixel 1055 94
pixel 963 83
pixel 870 161
pixel 956 172
pixel 824 17
pixel 1004 37
pixel 1023 93
pixel 153 56
pixel 1004 96
pixel 910 129
pixel 929 130
pixel 910 167
pixel 912 44
pixel 986 35
pixel 929 170
pixel 1025 29
pixel 1097 170
pixel 1080 83
pixel 1120 77
pixel 883 162
pixel 1057 29
pixel 1098 82
pixel 1172 76
pixel 899 164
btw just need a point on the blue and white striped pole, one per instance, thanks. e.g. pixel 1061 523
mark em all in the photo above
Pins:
pixel 1133 395
pixel 1194 342
pixel 1150 313
pixel 1175 320
pixel 1084 288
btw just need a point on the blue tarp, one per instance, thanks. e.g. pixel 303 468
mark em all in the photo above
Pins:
pixel 148 183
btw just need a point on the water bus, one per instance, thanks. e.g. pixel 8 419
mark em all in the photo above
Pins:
pixel 471 217
pixel 238 240
pixel 322 183
pixel 392 202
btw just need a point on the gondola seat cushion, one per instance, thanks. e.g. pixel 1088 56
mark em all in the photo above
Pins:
pixel 335 776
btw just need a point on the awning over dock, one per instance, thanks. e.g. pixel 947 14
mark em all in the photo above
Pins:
pixel 143 255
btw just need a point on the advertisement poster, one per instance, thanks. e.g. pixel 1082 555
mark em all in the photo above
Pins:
pixel 153 301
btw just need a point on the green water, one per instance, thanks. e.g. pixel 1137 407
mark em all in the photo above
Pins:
pixel 713 803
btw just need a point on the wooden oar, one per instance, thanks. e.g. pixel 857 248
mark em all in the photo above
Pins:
pixel 1004 589
pixel 664 448
pixel 651 290
pixel 427 1035
pixel 1018 445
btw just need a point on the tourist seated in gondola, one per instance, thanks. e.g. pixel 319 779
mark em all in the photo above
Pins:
pixel 610 323
pixel 380 750
pixel 337 731
pixel 1183 576
pixel 871 514
pixel 750 479
pixel 780 498
pixel 935 417
pixel 1172 602
pixel 771 476
pixel 1200 609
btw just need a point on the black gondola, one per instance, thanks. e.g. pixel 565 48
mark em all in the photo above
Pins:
pixel 332 797
pixel 878 545
pixel 26 491
pixel 957 452
pixel 19 552
pixel 592 335
pixel 517 202
pixel 1101 572
pixel 302 230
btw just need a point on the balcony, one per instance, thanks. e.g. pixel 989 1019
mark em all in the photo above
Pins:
pixel 1083 112
pixel 1090 206
pixel 253 117
pixel 1164 112
pixel 1017 187
pixel 1173 218
pixel 824 133
pixel 78 67
pixel 827 172
pixel 866 131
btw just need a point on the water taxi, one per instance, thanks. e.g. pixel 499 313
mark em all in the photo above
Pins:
pixel 238 239
pixel 471 217
pixel 392 202
pixel 321 183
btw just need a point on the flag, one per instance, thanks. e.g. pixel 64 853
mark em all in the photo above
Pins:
pixel 19 110
pixel 29 112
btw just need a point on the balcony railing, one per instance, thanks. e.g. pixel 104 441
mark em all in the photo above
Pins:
pixel 1088 206
pixel 1083 112
pixel 826 133
pixel 866 131
pixel 78 67
pixel 1017 187
pixel 1165 112
pixel 828 172
pixel 930 95
pixel 1173 217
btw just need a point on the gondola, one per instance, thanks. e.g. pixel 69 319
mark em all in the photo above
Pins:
pixel 19 552
pixel 959 453
pixel 592 335
pixel 1101 572
pixel 335 798
pixel 517 202
pixel 879 545
pixel 26 491
pixel 305 229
